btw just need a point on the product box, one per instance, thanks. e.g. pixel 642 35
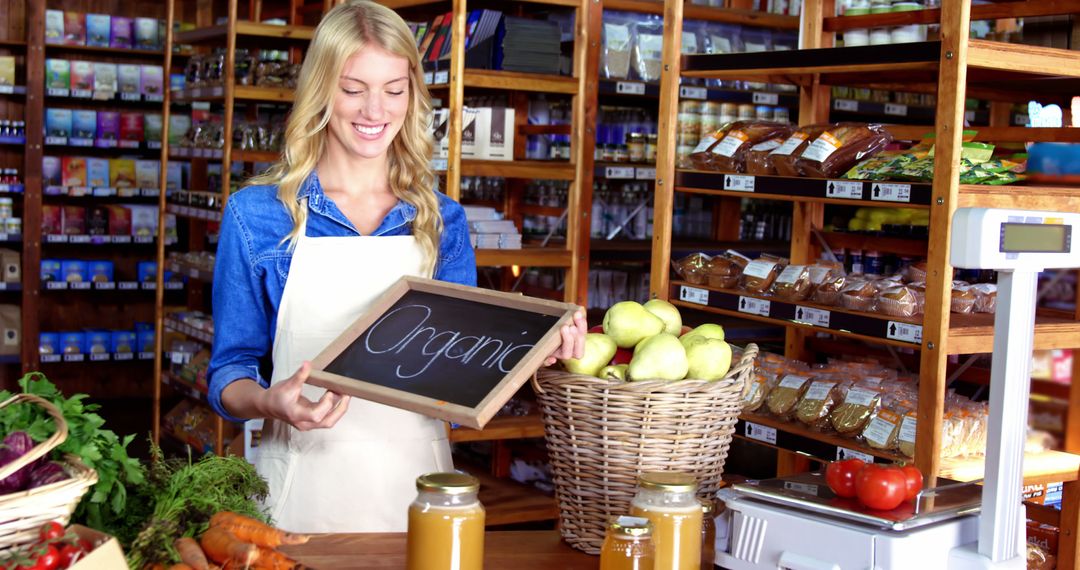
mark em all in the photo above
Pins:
pixel 174 176
pixel 177 81
pixel 123 341
pixel 82 75
pixel 153 81
pixel 144 340
pixel 98 30
pixel 152 127
pixel 72 342
pixel 74 171
pixel 101 271
pixel 121 33
pixel 7 70
pixel 495 133
pixel 119 220
pixel 54 26
pixel 146 271
pixel 98 341
pixel 74 28
pixel 73 220
pixel 50 270
pixel 84 124
pixel 147 173
pixel 179 125
pixel 108 126
pixel 51 171
pixel 143 220
pixel 57 74
pixel 129 78
pixel 122 173
pixel 52 218
pixel 131 127
pixel 49 343
pixel 74 271
pixel 11 329
pixel 12 265
pixel 97 172
pixel 97 221
pixel 58 122
pixel 171 235
pixel 146 34
pixel 104 80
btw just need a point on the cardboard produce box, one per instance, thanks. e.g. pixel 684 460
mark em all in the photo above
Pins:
pixel 107 556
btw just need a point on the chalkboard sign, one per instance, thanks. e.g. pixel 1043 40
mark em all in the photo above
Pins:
pixel 444 350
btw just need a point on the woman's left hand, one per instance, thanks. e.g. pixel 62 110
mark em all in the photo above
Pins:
pixel 573 340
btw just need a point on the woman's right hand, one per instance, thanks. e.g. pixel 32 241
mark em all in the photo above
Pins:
pixel 285 401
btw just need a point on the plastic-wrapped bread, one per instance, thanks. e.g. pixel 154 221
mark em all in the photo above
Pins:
pixel 898 301
pixel 985 297
pixel 858 294
pixel 724 271
pixel 836 150
pixel 817 402
pixel 756 392
pixel 783 160
pixel 693 268
pixel 785 396
pixel 702 156
pixel 826 280
pixel 757 158
pixel 963 298
pixel 793 283
pixel 729 155
pixel 855 410
pixel 759 275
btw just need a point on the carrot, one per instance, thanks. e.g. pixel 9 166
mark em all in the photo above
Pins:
pixel 273 560
pixel 255 532
pixel 191 554
pixel 180 566
pixel 221 546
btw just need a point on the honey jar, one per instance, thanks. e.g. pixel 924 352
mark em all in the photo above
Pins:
pixel 446 524
pixel 627 544
pixel 668 500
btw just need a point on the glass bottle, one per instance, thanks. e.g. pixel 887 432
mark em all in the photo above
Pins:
pixel 627 545
pixel 708 534
pixel 446 524
pixel 668 500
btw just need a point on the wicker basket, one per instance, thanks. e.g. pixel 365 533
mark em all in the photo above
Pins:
pixel 602 434
pixel 23 513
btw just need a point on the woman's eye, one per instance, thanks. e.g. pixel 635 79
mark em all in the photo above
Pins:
pixel 351 92
pixel 395 92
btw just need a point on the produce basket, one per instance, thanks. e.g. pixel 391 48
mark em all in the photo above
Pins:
pixel 602 434
pixel 22 513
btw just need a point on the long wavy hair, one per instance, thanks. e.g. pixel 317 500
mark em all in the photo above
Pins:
pixel 344 31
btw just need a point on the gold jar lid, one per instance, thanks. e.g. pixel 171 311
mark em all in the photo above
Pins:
pixel 453 483
pixel 671 481
pixel 652 137
pixel 632 526
pixel 707 507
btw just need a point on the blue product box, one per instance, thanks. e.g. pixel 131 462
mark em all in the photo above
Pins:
pixel 72 342
pixel 58 122
pixel 177 81
pixel 101 271
pixel 50 270
pixel 108 126
pixel 49 343
pixel 123 341
pixel 97 172
pixel 144 341
pixel 98 341
pixel 146 271
pixel 84 124
pixel 74 271
pixel 98 29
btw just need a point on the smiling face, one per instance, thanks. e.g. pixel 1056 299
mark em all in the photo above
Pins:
pixel 370 104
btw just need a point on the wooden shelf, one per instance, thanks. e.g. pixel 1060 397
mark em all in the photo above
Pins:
pixel 888 244
pixel 1039 468
pixel 501 428
pixel 524 257
pixel 508 502
pixel 256 155
pixel 107 51
pixel 240 93
pixel 641 89
pixel 528 169
pixel 990 11
pixel 398 4
pixel 513 81
pixel 245 29
pixel 1020 197
pixel 12 43
pixel 194 213
pixel 189 390
pixel 191 271
pixel 974 333
pixel 709 14
pixel 794 436
pixel 834 191
pixel 187 330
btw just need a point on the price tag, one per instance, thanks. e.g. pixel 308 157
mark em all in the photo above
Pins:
pixel 56 238
pixel 905 332
pixel 99 357
pixel 80 142
pixel 760 98
pixel 694 295
pixel 74 358
pixel 812 316
pixel 129 144
pixel 50 357
pixel 738 183
pixel 761 433
pixel 154 98
pixel 1021 119
pixel 146 356
pixel 174 285
pixel 129 97
pixel 177 357
pixel 123 356
pixel 630 88
pixel 844 189
pixel 56 140
pixel 107 143
pixel 619 172
pixel 846 105
pixel 57 92
pixel 149 285
pixel 690 92
pixel 7 89
pixel 82 93
pixel 153 145
pixel 121 239
pixel 429 78
pixel 79 239
pixel 81 286
pixel 440 164
pixel 896 109
pixel 645 174
pixel 804 488
pixel 891 192
pixel 442 77
pixel 56 285
pixel 128 285
pixel 144 239
pixel 754 306
pixel 843 453
pixel 107 286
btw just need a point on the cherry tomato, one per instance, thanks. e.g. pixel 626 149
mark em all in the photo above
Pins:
pixel 51 531
pixel 881 488
pixel 85 545
pixel 50 560
pixel 914 481
pixel 840 475
pixel 69 553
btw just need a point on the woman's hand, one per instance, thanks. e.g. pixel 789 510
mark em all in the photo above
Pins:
pixel 285 401
pixel 573 340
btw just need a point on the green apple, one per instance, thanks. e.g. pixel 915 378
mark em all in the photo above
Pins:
pixel 627 323
pixel 708 330
pixel 709 359
pixel 659 357
pixel 667 313
pixel 614 372
pixel 599 348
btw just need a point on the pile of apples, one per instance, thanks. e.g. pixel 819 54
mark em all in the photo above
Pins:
pixel 649 342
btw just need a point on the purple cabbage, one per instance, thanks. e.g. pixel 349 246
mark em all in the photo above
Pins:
pixel 46 473
pixel 15 445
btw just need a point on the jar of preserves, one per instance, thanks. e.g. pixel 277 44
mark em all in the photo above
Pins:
pixel 627 544
pixel 635 145
pixel 668 500
pixel 621 154
pixel 446 524
pixel 650 147
pixel 708 534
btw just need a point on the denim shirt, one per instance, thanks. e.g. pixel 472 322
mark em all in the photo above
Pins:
pixel 252 266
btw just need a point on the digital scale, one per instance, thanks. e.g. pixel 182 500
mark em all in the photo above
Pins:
pixel 796 523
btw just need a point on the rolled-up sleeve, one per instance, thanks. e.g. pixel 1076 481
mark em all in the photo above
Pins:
pixel 457 260
pixel 241 312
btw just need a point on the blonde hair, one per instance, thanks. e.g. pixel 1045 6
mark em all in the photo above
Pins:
pixel 344 31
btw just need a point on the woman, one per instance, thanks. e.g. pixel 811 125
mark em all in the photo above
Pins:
pixel 307 247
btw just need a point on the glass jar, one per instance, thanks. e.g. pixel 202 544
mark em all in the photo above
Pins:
pixel 635 145
pixel 621 154
pixel 708 534
pixel 650 147
pixel 608 153
pixel 627 545
pixel 746 112
pixel 668 500
pixel 446 524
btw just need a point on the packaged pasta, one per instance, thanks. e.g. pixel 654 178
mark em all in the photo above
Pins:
pixel 759 275
pixel 783 159
pixel 729 155
pixel 817 402
pixel 985 297
pixel 724 271
pixel 693 268
pixel 793 283
pixel 852 414
pixel 785 396
pixel 836 150
pixel 858 294
pixel 898 301
pixel 648 49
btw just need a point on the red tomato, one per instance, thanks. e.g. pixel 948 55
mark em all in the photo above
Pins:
pixel 85 545
pixel 840 475
pixel 914 480
pixel 881 488
pixel 50 560
pixel 51 531
pixel 69 553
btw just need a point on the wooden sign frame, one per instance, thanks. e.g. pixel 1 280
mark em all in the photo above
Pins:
pixel 474 417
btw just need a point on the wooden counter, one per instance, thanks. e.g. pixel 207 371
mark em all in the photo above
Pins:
pixel 520 550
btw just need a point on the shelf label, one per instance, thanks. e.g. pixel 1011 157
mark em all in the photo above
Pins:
pixel 121 239
pixel 57 92
pixel 154 98
pixel 76 141
pixel 83 238
pixel 124 356
pixel 442 77
pixel 143 239
pixel 694 295
pixel 56 140
pixel 130 97
pixel 896 109
pixel 846 105
pixel 690 92
pixel 645 174
pixel 100 357
pixel 149 286
pixel 630 88
pixel 440 164
pixel 146 356
pixel 174 285
pixel 128 285
pixel 81 286
pixel 1021 119
pixel 7 89
pixel 106 286
pixel 760 98
pixel 50 358
pixel 905 332
pixel 754 306
pixel 82 94
pixel 843 453
pixel 811 316
pixel 429 78
pixel 56 238
pixel 738 183
pixel 56 285
pixel 761 433
pixel 844 189
pixel 74 358
pixel 619 172
pixel 891 192
pixel 153 145
pixel 129 144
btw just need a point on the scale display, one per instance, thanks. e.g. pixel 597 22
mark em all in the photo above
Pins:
pixel 1014 240
pixel 1035 238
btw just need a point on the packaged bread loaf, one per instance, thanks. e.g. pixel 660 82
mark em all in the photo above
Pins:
pixel 883 430
pixel 693 268
pixel 858 294
pixel 729 155
pixel 783 159
pixel 757 158
pixel 759 275
pixel 725 270
pixel 793 283
pixel 898 301
pixel 817 402
pixel 826 280
pixel 785 396
pixel 906 437
pixel 916 272
pixel 701 157
pixel 985 297
pixel 854 411
pixel 963 298
pixel 836 150
pixel 756 392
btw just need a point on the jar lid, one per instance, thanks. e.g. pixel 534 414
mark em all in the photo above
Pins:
pixel 667 481
pixel 707 507
pixel 633 526
pixel 454 483
pixel 652 136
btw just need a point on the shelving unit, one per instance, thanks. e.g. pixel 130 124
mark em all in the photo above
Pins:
pixel 957 67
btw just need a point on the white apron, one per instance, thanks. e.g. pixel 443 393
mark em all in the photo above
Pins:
pixel 358 476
